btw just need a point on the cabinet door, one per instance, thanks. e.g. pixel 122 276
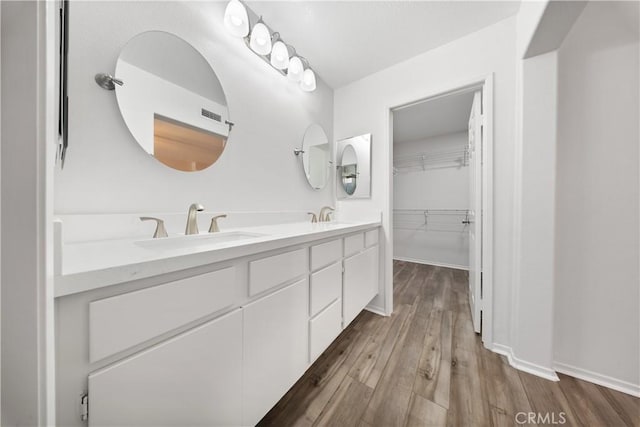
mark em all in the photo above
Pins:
pixel 276 348
pixel 360 283
pixel 193 379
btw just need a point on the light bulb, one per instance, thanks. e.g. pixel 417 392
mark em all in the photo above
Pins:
pixel 236 19
pixel 280 55
pixel 295 70
pixel 308 83
pixel 260 40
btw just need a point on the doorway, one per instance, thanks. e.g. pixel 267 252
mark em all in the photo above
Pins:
pixel 441 198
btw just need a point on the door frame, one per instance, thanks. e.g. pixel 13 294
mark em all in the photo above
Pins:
pixel 485 85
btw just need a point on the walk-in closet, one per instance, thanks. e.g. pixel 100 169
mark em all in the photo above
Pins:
pixel 432 181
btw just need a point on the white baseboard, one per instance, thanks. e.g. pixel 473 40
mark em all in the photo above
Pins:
pixel 376 310
pixel 603 380
pixel 523 365
pixel 437 264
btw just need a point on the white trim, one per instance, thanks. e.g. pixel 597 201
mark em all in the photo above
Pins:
pixel 376 310
pixel 517 202
pixel 435 263
pixel 603 380
pixel 487 211
pixel 388 224
pixel 49 109
pixel 485 83
pixel 523 365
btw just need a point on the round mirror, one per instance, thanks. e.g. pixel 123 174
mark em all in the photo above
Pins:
pixel 171 101
pixel 349 170
pixel 316 156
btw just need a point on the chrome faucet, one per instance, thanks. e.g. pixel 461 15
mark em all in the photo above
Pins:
pixel 192 221
pixel 324 214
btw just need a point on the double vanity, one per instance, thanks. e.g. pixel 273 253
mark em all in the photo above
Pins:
pixel 205 329
pixel 202 328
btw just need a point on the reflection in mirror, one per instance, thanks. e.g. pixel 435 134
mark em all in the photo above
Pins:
pixel 171 101
pixel 316 155
pixel 349 175
pixel 354 171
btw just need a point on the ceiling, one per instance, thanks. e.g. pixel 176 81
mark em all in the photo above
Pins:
pixel 441 116
pixel 347 40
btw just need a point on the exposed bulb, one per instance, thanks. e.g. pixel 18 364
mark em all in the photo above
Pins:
pixel 308 83
pixel 236 19
pixel 295 70
pixel 260 40
pixel 280 55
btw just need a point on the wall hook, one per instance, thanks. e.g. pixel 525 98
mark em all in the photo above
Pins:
pixel 107 81
pixel 298 151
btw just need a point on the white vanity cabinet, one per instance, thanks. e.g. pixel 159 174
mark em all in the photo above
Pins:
pixel 276 352
pixel 325 305
pixel 360 282
pixel 218 345
pixel 192 379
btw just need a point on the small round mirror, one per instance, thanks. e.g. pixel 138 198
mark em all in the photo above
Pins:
pixel 349 170
pixel 171 101
pixel 316 156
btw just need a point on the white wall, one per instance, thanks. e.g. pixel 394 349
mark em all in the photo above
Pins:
pixel 597 256
pixel 541 28
pixel 106 171
pixel 363 107
pixel 0 220
pixel 444 240
pixel 26 155
pixel 532 317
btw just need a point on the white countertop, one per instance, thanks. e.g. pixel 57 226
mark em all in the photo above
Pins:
pixel 91 265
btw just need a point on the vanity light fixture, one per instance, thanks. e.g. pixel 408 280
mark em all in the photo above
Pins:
pixel 268 45
pixel 308 83
pixel 295 70
pixel 236 19
pixel 260 40
pixel 280 55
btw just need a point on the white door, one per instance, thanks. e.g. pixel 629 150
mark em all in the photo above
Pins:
pixel 474 220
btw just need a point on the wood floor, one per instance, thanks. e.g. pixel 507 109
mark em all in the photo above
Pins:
pixel 424 366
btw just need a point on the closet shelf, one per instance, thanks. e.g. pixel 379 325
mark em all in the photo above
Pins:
pixel 420 162
pixel 445 220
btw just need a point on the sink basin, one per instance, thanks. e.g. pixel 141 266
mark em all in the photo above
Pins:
pixel 179 242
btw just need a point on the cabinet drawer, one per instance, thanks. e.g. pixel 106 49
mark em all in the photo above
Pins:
pixel 326 286
pixel 274 270
pixel 122 321
pixel 325 254
pixel 353 244
pixel 371 238
pixel 324 328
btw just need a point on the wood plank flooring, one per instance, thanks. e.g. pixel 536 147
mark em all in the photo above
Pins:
pixel 424 366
